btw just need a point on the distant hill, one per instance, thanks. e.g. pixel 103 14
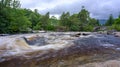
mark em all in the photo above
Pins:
pixel 102 21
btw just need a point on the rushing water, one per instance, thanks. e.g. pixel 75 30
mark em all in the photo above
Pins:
pixel 55 49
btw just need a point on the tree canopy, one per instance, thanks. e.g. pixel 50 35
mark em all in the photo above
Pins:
pixel 14 19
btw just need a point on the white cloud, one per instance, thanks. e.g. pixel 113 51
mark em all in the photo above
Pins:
pixel 55 15
pixel 44 4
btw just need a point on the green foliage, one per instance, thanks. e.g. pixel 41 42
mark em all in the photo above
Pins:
pixel 51 28
pixel 74 23
pixel 116 24
pixel 83 15
pixel 74 28
pixel 37 27
pixel 64 19
pixel 78 22
pixel 93 22
pixel 14 19
pixel 110 20
pixel 54 21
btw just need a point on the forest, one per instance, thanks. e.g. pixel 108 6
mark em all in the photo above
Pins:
pixel 14 19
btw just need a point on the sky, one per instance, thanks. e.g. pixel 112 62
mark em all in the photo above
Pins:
pixel 99 9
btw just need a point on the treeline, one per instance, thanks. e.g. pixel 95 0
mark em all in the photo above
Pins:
pixel 14 19
pixel 113 23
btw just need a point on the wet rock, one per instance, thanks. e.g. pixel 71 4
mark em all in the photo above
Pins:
pixel 4 34
pixel 110 32
pixel 117 34
pixel 85 34
pixel 76 35
pixel 96 29
pixel 110 39
pixel 89 42
pixel 37 41
pixel 98 41
pixel 80 34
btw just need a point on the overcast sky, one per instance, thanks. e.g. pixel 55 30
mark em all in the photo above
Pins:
pixel 99 9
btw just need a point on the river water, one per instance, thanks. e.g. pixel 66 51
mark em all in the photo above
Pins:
pixel 58 49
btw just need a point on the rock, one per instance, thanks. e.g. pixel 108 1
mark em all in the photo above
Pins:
pixel 76 35
pixel 85 44
pixel 4 34
pixel 37 41
pixel 96 29
pixel 97 41
pixel 80 34
pixel 117 34
pixel 111 32
pixel 85 34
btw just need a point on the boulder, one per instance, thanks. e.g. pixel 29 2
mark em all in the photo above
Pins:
pixel 37 41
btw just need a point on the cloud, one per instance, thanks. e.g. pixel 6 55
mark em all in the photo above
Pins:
pixel 99 9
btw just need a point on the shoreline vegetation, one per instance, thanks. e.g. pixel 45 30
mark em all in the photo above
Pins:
pixel 14 19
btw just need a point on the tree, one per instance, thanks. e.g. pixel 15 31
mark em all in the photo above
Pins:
pixel 93 22
pixel 18 22
pixel 110 21
pixel 74 23
pixel 10 3
pixel 116 24
pixel 34 19
pixel 45 21
pixel 6 13
pixel 83 17
pixel 54 21
pixel 37 26
pixel 13 19
pixel 65 21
